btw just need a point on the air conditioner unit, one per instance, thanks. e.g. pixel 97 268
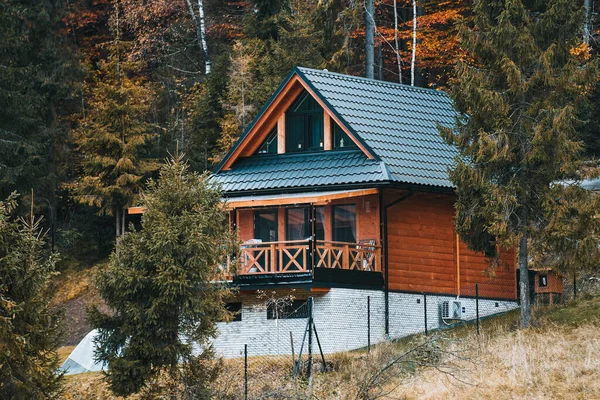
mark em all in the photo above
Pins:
pixel 451 309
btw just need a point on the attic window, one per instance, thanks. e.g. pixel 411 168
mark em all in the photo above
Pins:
pixel 269 146
pixel 304 125
pixel 340 139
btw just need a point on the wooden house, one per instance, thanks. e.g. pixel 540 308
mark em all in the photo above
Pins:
pixel 340 185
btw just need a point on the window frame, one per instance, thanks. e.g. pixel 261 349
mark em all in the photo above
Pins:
pixel 307 131
pixel 333 230
pixel 297 309
pixel 235 307
pixel 336 127
pixel 273 211
pixel 272 136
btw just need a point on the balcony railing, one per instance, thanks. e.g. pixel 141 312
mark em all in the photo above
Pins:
pixel 295 257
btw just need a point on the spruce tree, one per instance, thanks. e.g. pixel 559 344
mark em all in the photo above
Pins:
pixel 160 283
pixel 114 135
pixel 29 327
pixel 519 89
pixel 36 72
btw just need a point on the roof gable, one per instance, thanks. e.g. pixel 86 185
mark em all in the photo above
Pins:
pixel 395 125
pixel 285 95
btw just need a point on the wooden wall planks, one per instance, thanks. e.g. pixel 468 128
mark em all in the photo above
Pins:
pixel 422 252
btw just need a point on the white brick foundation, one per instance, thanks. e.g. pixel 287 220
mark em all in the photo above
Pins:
pixel 340 317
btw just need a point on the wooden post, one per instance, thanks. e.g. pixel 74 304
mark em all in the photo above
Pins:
pixel 327 134
pixel 281 134
pixel 346 257
pixel 273 258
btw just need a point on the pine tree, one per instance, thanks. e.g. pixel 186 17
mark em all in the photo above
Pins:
pixel 520 98
pixel 29 327
pixel 159 283
pixel 113 139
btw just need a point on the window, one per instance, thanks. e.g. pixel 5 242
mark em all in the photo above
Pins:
pixel 344 223
pixel 295 309
pixel 543 280
pixel 340 139
pixel 265 225
pixel 298 223
pixel 320 223
pixel 235 309
pixel 269 146
pixel 304 125
pixel 490 250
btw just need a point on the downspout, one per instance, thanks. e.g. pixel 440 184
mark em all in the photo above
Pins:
pixel 384 211
pixel 457 266
pixel 313 239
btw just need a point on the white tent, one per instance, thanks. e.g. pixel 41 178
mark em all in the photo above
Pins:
pixel 81 358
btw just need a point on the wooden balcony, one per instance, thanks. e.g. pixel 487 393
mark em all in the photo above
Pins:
pixel 295 257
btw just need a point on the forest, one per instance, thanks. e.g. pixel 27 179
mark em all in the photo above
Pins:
pixel 98 92
pixel 96 95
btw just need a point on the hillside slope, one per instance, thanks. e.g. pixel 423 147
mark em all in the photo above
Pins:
pixel 559 358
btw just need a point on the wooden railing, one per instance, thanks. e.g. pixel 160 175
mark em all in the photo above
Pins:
pixel 275 257
pixel 354 256
pixel 295 257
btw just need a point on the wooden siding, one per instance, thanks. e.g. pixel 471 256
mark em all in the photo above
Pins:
pixel 555 284
pixel 245 223
pixel 423 252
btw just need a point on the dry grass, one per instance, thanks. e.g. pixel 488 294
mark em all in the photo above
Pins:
pixel 64 352
pixel 73 283
pixel 557 359
pixel 553 362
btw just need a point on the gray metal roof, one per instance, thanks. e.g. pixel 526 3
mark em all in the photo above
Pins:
pixel 299 170
pixel 397 123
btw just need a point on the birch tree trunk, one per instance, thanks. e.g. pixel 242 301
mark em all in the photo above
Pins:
pixel 207 64
pixel 414 44
pixel 587 28
pixel 398 60
pixel 200 28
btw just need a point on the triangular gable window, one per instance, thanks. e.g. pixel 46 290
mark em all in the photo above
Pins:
pixel 269 146
pixel 340 139
pixel 304 125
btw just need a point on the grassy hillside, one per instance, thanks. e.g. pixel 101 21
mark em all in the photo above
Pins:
pixel 559 358
pixel 74 292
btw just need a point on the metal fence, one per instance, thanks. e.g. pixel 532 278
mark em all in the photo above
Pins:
pixel 303 340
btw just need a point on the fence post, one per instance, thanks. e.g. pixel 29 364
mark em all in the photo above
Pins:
pixel 368 324
pixel 310 335
pixel 425 309
pixel 245 372
pixel 477 305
